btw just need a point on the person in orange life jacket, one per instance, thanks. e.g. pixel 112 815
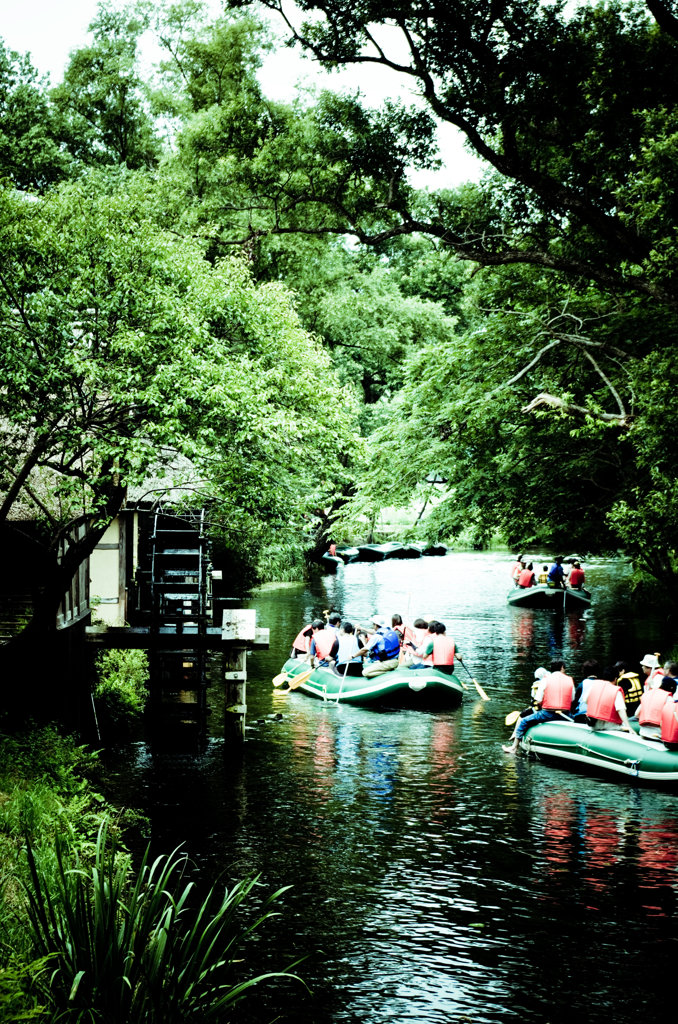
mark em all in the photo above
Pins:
pixel 440 648
pixel 301 644
pixel 517 568
pixel 332 548
pixel 556 574
pixel 630 684
pixel 651 706
pixel 348 661
pixel 324 645
pixel 543 575
pixel 527 578
pixel 669 719
pixel 606 707
pixel 577 576
pixel 382 649
pixel 555 694
pixel 581 691
pixel 652 673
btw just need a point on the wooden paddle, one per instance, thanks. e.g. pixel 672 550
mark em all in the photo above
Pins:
pixel 475 682
pixel 512 718
pixel 298 680
pixel 284 677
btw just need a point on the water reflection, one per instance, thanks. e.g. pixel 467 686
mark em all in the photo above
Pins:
pixel 436 879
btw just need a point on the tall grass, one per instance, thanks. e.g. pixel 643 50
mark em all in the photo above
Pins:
pixel 138 949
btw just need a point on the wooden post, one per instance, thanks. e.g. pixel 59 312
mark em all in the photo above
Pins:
pixel 238 625
pixel 235 677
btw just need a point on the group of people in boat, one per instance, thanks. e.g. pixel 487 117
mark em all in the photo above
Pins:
pixel 524 575
pixel 386 644
pixel 617 697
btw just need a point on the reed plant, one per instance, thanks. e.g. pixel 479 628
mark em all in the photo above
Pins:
pixel 121 948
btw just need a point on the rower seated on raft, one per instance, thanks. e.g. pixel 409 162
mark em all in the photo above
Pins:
pixel 555 694
pixel 382 649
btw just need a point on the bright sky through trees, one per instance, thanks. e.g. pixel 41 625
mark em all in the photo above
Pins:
pixel 50 29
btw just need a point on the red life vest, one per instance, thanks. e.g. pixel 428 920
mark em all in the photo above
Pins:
pixel 417 635
pixel 577 577
pixel 600 701
pixel 526 578
pixel 651 706
pixel 324 642
pixel 443 649
pixel 669 721
pixel 516 569
pixel 301 642
pixel 558 692
pixel 428 660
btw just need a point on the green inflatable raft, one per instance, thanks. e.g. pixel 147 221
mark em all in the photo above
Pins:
pixel 621 753
pixel 401 687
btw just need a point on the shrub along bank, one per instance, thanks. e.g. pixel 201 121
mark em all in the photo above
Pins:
pixel 84 935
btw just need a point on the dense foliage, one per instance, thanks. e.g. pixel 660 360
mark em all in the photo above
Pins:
pixel 513 336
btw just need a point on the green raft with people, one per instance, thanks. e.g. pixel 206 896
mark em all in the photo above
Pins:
pixel 543 596
pixel 610 751
pixel 400 687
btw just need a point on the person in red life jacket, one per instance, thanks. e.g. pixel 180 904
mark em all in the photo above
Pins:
pixel 517 568
pixel 555 695
pixel 669 721
pixel 348 660
pixel 630 684
pixel 605 704
pixel 527 578
pixel 577 576
pixel 652 673
pixel 301 644
pixel 324 645
pixel 440 648
pixel 332 549
pixel 651 707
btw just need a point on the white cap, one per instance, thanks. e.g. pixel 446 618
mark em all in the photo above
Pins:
pixel 540 672
pixel 650 661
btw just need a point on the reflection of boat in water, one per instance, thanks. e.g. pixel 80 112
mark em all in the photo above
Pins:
pixel 615 751
pixel 543 596
pixel 401 687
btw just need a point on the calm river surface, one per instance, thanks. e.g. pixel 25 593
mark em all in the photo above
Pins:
pixel 434 877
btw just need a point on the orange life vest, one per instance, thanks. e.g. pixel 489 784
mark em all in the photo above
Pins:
pixel 428 660
pixel 600 701
pixel 651 706
pixel 577 577
pixel 443 649
pixel 526 578
pixel 669 721
pixel 324 642
pixel 302 642
pixel 558 692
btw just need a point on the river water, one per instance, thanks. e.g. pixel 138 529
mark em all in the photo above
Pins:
pixel 434 877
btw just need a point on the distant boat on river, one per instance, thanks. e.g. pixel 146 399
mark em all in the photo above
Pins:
pixel 543 596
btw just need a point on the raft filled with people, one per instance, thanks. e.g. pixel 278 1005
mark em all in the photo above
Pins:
pixel 552 587
pixel 615 721
pixel 386 662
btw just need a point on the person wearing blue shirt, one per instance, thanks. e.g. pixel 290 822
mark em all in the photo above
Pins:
pixel 382 649
pixel 556 576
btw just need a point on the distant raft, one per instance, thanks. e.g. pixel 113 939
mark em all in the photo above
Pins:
pixel 543 596
pixel 616 752
pixel 401 687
